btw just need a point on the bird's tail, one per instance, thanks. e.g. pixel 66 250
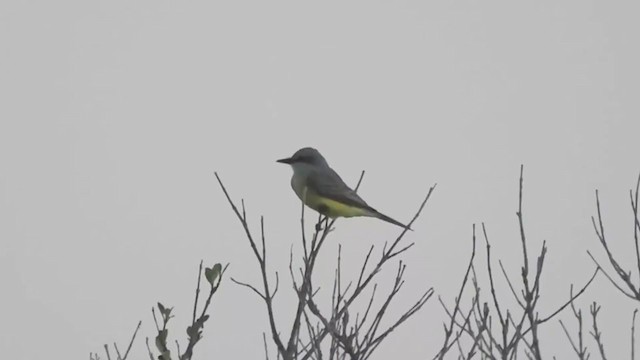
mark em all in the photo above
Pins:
pixel 384 217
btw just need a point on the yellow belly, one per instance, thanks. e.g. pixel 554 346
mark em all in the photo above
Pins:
pixel 332 208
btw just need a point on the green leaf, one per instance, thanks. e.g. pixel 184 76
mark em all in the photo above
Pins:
pixel 212 274
pixel 217 269
pixel 208 273
pixel 165 312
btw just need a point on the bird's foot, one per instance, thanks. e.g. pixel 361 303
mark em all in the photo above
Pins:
pixel 324 220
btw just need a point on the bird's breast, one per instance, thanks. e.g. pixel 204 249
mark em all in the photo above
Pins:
pixel 321 204
pixel 308 196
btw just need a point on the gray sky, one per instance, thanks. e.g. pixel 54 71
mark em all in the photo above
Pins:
pixel 115 114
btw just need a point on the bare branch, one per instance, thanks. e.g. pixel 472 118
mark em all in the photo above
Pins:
pixel 251 287
pixel 449 329
pixel 195 302
pixel 633 334
pixel 571 299
pixel 624 275
pixel 636 221
pixel 106 349
pixel 580 349
pixel 260 257
pixel 151 357
pixel 624 292
pixel 597 335
pixel 133 337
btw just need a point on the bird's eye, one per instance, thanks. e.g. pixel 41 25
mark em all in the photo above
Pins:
pixel 303 159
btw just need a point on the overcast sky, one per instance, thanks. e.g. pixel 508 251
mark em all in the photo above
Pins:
pixel 115 114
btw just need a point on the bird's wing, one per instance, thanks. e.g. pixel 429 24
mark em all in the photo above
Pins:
pixel 327 183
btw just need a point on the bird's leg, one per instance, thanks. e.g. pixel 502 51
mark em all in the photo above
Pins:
pixel 323 219
pixel 319 223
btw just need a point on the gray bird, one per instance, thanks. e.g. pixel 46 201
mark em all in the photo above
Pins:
pixel 322 189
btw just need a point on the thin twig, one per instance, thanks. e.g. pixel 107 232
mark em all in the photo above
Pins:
pixel 449 329
pixel 131 342
pixel 597 335
pixel 633 334
pixel 195 302
pixel 151 357
pixel 260 257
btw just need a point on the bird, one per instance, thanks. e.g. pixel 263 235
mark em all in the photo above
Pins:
pixel 323 190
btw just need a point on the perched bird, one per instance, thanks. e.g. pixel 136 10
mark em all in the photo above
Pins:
pixel 322 189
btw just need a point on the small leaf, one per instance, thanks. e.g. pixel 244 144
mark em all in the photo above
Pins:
pixel 208 273
pixel 161 308
pixel 212 274
pixel 165 312
pixel 217 269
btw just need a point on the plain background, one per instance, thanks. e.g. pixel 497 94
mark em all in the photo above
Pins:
pixel 115 114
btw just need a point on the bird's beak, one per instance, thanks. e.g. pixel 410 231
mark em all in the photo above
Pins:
pixel 285 161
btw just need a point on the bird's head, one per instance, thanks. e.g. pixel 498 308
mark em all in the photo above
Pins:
pixel 306 157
